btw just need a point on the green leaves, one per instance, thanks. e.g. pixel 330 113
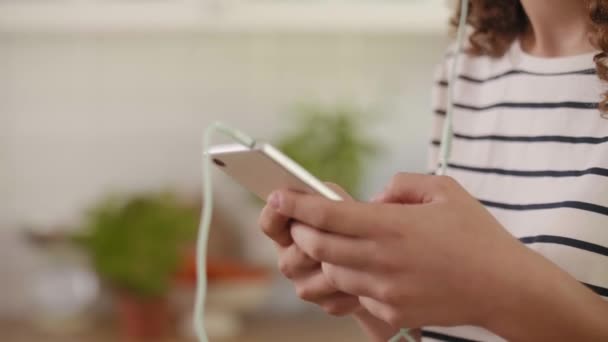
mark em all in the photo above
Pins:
pixel 330 144
pixel 135 243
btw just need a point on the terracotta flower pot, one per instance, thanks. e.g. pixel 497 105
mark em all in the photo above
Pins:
pixel 142 318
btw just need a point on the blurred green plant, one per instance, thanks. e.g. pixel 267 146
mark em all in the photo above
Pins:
pixel 330 143
pixel 136 243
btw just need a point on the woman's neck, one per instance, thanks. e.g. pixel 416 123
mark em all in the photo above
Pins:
pixel 557 28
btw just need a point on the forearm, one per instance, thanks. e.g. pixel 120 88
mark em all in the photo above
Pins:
pixel 547 304
pixel 375 329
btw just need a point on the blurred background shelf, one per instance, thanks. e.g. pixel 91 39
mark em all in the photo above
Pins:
pixel 301 328
pixel 429 16
pixel 109 97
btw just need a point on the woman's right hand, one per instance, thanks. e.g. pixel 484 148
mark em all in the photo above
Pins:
pixel 304 272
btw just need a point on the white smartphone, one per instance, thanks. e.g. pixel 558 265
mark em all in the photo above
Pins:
pixel 264 169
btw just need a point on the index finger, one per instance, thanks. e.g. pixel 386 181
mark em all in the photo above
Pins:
pixel 348 218
pixel 412 188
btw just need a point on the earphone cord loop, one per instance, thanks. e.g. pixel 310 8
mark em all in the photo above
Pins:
pixel 205 222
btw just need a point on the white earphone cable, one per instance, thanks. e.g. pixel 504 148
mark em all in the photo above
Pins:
pixel 447 134
pixel 205 223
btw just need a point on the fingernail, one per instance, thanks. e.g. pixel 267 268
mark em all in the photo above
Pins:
pixel 274 200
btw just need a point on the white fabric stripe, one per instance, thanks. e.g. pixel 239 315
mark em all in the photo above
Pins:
pixel 564 88
pixel 516 57
pixel 483 67
pixel 571 223
pixel 508 121
pixel 528 190
pixel 528 156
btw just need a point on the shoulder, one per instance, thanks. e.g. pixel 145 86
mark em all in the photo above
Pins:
pixel 470 65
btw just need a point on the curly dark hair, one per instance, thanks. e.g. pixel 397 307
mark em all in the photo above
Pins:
pixel 496 24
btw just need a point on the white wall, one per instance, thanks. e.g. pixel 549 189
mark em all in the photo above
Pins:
pixel 84 114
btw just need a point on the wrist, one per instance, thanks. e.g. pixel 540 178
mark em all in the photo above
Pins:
pixel 515 289
pixel 539 301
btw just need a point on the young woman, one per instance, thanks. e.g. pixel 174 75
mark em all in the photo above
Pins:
pixel 514 243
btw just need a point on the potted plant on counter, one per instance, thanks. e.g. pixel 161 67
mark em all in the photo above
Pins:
pixel 330 142
pixel 136 245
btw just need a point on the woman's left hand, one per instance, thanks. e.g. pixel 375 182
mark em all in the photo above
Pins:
pixel 432 256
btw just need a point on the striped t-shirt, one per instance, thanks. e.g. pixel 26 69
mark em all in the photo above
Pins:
pixel 531 145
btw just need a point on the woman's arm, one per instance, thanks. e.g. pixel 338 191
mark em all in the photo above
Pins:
pixel 547 304
pixel 436 256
